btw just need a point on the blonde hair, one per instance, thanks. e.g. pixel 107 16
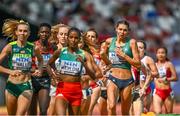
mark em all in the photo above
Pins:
pixel 10 26
pixel 55 30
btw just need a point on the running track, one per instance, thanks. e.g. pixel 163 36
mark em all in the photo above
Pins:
pixel 3 110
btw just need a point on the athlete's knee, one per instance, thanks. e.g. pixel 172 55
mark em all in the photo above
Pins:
pixel 169 111
pixel 21 112
pixel 111 105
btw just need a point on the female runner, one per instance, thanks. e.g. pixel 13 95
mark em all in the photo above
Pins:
pixel 41 85
pixel 59 35
pixel 19 89
pixel 163 93
pixel 143 77
pixel 122 53
pixel 69 66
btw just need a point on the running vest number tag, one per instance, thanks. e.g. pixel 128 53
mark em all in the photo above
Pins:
pixel 69 67
pixel 21 61
pixel 162 71
pixel 142 76
pixel 83 72
pixel 114 58
pixel 97 61
pixel 46 58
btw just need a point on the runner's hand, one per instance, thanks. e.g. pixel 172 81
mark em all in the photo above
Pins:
pixel 54 82
pixel 80 59
pixel 15 73
pixel 120 53
pixel 142 92
pixel 37 73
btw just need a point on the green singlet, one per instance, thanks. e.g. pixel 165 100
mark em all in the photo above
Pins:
pixel 116 61
pixel 67 62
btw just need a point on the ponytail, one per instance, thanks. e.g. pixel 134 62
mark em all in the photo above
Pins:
pixel 10 26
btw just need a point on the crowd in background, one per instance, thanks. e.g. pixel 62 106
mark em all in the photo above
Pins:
pixel 156 21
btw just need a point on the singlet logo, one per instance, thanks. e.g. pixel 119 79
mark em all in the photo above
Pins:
pixel 22 52
pixel 114 58
pixel 29 50
pixel 16 49
pixel 125 50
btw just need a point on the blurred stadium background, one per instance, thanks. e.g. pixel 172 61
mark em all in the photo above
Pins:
pixel 155 21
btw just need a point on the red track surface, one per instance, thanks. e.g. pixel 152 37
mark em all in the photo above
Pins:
pixel 3 110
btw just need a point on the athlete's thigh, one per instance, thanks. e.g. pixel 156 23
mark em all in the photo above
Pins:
pixel 126 99
pixel 169 104
pixel 138 107
pixel 94 97
pixel 85 105
pixel 44 98
pixel 157 103
pixel 24 101
pixel 51 108
pixel 96 93
pixel 11 103
pixel 60 103
pixel 74 110
pixel 126 95
pixel 33 105
pixel 102 104
pixel 147 101
pixel 112 93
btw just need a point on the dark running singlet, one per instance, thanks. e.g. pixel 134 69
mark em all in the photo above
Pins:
pixel 46 54
pixel 116 61
pixel 21 57
pixel 67 63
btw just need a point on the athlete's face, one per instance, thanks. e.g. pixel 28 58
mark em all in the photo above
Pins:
pixel 73 39
pixel 161 54
pixel 141 48
pixel 122 30
pixel 44 33
pixel 91 36
pixel 22 32
pixel 62 35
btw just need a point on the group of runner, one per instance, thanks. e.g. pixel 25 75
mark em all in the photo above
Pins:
pixel 67 71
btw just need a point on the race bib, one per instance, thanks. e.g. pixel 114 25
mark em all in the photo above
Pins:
pixel 162 72
pixel 46 58
pixel 142 76
pixel 21 61
pixel 83 72
pixel 97 61
pixel 114 58
pixel 57 64
pixel 69 67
